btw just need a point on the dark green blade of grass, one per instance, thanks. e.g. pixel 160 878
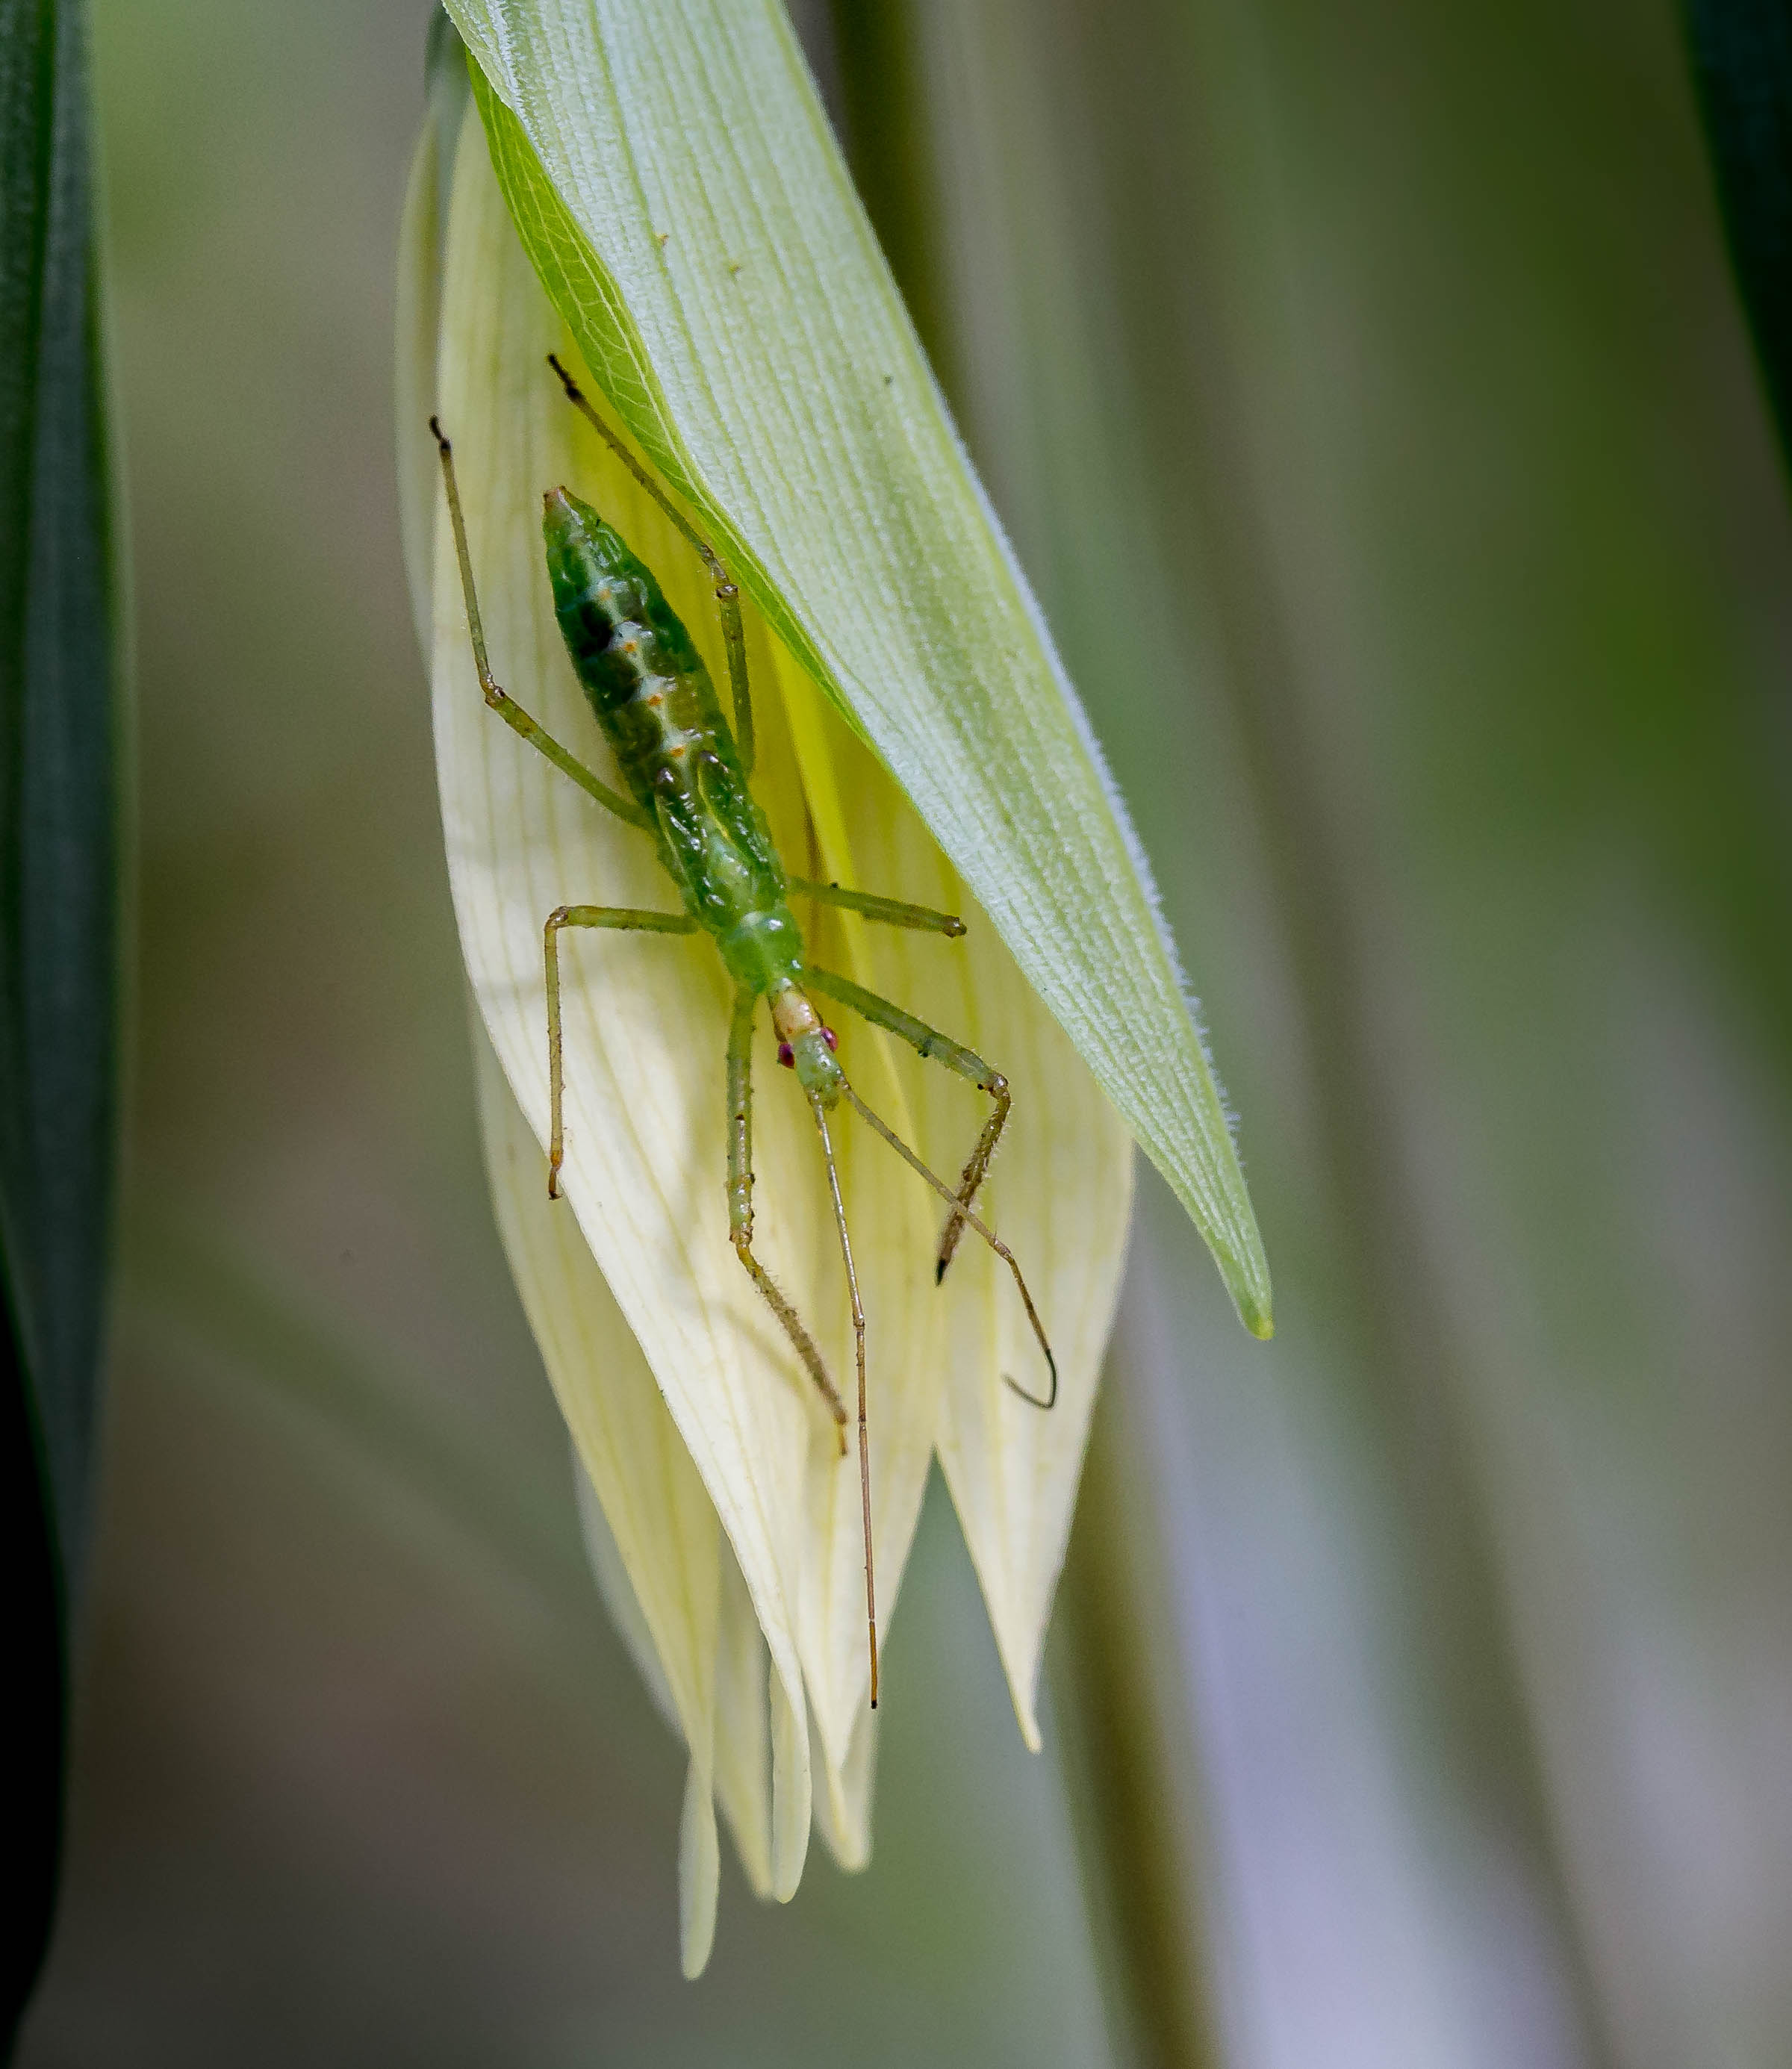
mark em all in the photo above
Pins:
pixel 58 916
pixel 1741 52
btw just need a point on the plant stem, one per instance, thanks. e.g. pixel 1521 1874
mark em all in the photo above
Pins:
pixel 1128 1769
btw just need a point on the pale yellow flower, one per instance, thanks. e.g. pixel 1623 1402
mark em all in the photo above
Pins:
pixel 724 1524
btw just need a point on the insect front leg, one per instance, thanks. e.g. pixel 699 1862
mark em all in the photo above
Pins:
pixel 500 699
pixel 622 919
pixel 740 1204
pixel 938 1048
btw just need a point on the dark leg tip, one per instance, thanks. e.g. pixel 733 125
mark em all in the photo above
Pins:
pixel 939 1270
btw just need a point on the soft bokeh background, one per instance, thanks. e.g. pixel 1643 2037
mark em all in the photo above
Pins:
pixel 1366 394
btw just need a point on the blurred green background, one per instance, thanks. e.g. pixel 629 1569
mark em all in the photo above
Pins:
pixel 1366 394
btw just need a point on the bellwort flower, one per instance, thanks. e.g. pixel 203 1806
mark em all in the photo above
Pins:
pixel 650 193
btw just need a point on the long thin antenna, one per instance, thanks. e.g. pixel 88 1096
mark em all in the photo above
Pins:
pixel 581 401
pixel 994 1242
pixel 859 1340
pixel 473 623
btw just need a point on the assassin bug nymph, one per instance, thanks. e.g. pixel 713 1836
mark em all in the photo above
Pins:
pixel 687 774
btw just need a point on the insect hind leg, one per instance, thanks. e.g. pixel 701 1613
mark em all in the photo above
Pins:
pixel 739 1206
pixel 937 1048
pixel 1048 1400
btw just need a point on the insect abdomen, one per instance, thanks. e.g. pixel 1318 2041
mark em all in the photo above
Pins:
pixel 654 697
pixel 637 664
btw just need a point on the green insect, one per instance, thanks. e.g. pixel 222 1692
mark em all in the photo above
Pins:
pixel 687 774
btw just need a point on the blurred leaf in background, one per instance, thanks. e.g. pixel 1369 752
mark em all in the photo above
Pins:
pixel 1741 52
pixel 59 937
pixel 1366 395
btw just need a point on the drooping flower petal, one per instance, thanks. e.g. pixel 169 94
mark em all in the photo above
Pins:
pixel 652 1528
pixel 743 1728
pixel 843 1802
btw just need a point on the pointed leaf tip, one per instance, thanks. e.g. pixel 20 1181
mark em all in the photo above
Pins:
pixel 682 199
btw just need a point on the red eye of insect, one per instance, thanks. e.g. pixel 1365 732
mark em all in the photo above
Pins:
pixel 786 1055
pixel 831 1038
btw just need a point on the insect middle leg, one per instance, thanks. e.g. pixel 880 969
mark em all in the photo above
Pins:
pixel 888 911
pixel 928 1042
pixel 740 1204
pixel 622 919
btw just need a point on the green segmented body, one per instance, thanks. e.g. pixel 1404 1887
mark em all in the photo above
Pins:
pixel 657 704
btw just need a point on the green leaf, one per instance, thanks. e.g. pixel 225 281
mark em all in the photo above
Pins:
pixel 58 870
pixel 680 194
pixel 1741 52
